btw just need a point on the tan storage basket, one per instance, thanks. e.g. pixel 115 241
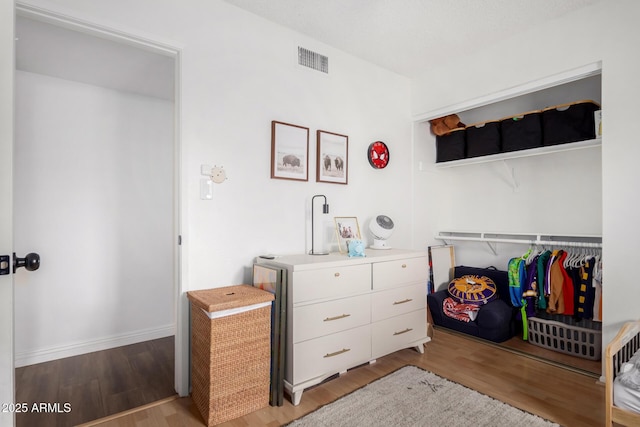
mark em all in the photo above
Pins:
pixel 230 351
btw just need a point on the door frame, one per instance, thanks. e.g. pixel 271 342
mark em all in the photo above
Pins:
pixel 7 78
pixel 173 50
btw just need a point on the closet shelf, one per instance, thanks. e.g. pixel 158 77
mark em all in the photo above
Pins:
pixel 590 143
pixel 539 239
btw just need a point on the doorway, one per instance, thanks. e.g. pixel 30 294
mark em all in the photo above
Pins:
pixel 95 192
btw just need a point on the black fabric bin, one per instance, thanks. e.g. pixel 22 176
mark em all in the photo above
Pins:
pixel 522 131
pixel 569 122
pixel 483 139
pixel 451 146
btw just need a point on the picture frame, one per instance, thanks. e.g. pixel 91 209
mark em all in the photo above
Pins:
pixel 347 228
pixel 289 151
pixel 332 160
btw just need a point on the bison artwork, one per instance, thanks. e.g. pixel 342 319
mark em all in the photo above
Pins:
pixel 327 163
pixel 290 159
pixel 339 163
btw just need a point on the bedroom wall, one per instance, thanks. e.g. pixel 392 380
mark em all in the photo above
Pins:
pixel 604 32
pixel 234 83
pixel 94 197
pixel 238 73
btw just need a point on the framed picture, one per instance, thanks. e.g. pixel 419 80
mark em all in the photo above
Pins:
pixel 332 157
pixel 289 151
pixel 347 228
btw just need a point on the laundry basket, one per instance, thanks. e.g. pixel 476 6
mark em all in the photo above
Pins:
pixel 230 351
pixel 565 335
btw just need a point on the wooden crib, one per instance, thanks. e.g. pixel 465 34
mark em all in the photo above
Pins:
pixel 619 351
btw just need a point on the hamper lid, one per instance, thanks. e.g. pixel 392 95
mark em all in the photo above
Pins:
pixel 565 106
pixel 520 116
pixel 228 297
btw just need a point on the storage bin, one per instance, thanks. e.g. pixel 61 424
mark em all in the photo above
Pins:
pixel 483 139
pixel 451 146
pixel 569 122
pixel 563 334
pixel 521 132
pixel 230 351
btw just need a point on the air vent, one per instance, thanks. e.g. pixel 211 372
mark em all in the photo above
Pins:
pixel 313 60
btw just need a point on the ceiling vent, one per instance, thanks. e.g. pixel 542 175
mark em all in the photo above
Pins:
pixel 313 60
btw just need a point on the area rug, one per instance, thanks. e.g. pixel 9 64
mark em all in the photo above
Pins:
pixel 412 396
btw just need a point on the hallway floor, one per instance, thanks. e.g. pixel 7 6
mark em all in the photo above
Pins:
pixel 77 389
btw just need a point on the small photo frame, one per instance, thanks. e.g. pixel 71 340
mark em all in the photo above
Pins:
pixel 332 157
pixel 347 228
pixel 289 151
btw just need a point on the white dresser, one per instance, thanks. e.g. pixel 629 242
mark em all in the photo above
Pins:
pixel 343 312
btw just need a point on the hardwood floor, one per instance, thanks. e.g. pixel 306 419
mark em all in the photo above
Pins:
pixel 96 384
pixel 589 367
pixel 567 397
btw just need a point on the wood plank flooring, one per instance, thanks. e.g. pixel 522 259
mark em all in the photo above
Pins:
pixel 96 384
pixel 593 367
pixel 566 397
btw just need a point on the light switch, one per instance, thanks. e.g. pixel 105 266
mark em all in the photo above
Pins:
pixel 205 169
pixel 206 189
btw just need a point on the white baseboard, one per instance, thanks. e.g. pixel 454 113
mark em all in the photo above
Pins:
pixel 53 353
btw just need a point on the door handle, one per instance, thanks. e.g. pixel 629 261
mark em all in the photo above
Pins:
pixel 31 262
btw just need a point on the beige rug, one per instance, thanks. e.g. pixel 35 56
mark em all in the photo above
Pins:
pixel 412 396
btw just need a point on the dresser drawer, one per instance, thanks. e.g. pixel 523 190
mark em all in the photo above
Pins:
pixel 316 320
pixel 390 274
pixel 396 301
pixel 328 355
pixel 398 332
pixel 323 283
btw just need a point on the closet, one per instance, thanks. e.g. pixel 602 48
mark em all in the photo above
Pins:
pixel 542 198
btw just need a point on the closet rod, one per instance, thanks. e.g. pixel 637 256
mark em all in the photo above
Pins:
pixel 537 241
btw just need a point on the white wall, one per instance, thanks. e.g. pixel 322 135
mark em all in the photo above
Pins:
pixel 605 32
pixel 94 197
pixel 238 73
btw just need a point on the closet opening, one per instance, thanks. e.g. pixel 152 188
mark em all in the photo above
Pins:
pixel 552 190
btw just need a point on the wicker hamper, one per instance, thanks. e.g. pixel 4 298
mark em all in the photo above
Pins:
pixel 230 351
pixel 569 122
pixel 451 146
pixel 521 132
pixel 483 139
pixel 565 335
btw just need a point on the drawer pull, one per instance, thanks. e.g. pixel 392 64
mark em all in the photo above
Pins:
pixel 403 301
pixel 337 274
pixel 403 332
pixel 342 316
pixel 335 353
pixel 404 265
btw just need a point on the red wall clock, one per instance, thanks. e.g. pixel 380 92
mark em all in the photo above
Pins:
pixel 378 154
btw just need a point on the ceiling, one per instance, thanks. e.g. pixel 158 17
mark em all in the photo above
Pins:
pixel 405 36
pixel 55 51
pixel 409 36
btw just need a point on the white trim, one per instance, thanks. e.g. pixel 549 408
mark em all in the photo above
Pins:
pixel 149 42
pixel 534 86
pixel 52 353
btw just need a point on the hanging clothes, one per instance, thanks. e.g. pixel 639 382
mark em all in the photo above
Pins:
pixel 567 287
pixel 516 273
pixel 556 283
pixel 530 288
pixel 586 292
pixel 541 276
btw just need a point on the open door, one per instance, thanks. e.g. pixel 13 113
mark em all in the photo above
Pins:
pixel 6 208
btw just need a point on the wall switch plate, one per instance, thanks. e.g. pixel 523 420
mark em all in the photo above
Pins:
pixel 206 189
pixel 205 169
